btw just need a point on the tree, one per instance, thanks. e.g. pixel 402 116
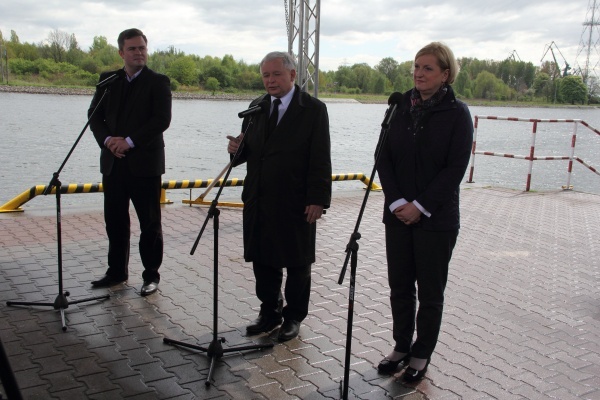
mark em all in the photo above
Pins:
pixel 13 37
pixel 593 90
pixel 379 85
pixel 389 67
pixel 572 89
pixel 59 42
pixel 345 77
pixel 183 69
pixel 487 86
pixel 363 76
pixel 103 54
pixel 403 83
pixel 542 86
pixel 212 84
pixel 462 83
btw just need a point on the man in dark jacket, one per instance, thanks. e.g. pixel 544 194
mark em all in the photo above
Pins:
pixel 132 113
pixel 287 186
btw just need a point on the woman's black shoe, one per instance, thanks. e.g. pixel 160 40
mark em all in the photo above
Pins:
pixel 388 366
pixel 412 375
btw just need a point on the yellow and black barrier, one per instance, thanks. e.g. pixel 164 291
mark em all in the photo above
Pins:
pixel 14 205
pixel 335 177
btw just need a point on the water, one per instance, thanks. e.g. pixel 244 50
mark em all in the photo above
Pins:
pixel 37 132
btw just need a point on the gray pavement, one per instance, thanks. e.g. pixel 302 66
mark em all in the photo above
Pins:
pixel 522 316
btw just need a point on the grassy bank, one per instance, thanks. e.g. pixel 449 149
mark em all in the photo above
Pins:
pixel 187 93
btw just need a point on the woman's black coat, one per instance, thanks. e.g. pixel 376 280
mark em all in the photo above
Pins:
pixel 427 164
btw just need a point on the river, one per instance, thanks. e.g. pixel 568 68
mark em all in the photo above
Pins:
pixel 38 130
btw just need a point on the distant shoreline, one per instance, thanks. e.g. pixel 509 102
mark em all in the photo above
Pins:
pixel 90 92
pixel 248 97
pixel 176 95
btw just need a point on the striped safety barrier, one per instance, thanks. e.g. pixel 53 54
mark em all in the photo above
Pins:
pixel 531 157
pixel 14 205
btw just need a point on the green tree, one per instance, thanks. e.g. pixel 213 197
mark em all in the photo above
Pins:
pixel 487 86
pixel 345 77
pixel 379 85
pixel 388 67
pixel 573 90
pixel 212 84
pixel 363 76
pixel 14 38
pixel 105 55
pixel 58 44
pixel 183 69
pixel 543 86
pixel 462 83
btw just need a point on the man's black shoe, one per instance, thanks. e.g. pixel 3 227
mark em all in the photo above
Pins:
pixel 263 324
pixel 288 330
pixel 106 281
pixel 148 288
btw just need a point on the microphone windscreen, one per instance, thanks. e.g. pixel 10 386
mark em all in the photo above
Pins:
pixel 395 98
pixel 265 106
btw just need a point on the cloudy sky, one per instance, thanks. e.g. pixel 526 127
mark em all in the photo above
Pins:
pixel 352 31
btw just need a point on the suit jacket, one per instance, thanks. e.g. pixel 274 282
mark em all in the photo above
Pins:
pixel 428 163
pixel 285 173
pixel 140 110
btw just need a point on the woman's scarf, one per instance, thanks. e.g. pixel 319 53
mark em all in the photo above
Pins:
pixel 418 107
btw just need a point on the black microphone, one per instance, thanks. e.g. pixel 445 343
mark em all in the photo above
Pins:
pixel 118 75
pixel 394 100
pixel 261 107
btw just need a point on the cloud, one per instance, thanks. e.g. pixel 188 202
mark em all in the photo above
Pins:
pixel 350 31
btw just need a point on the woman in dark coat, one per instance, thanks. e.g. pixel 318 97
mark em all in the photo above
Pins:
pixel 421 166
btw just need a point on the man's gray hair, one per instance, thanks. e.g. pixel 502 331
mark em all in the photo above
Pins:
pixel 288 60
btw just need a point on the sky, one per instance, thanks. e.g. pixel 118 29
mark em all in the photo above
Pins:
pixel 351 31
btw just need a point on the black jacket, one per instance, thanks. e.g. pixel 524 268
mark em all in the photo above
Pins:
pixel 285 173
pixel 143 116
pixel 427 164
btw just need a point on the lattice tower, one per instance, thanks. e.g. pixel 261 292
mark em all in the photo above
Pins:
pixel 589 43
pixel 303 29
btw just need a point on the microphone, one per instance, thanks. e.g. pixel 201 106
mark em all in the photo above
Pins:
pixel 110 79
pixel 394 100
pixel 261 107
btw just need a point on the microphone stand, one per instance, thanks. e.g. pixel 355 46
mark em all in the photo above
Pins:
pixel 215 349
pixel 352 251
pixel 61 302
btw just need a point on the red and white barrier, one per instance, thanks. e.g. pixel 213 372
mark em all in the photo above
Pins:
pixel 531 157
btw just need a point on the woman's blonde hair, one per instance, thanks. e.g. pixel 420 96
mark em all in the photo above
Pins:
pixel 445 58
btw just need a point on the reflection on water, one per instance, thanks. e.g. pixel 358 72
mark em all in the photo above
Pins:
pixel 37 131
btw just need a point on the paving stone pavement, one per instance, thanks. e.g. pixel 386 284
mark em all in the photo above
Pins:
pixel 522 316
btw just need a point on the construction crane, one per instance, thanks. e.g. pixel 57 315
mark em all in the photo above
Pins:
pixel 550 47
pixel 513 56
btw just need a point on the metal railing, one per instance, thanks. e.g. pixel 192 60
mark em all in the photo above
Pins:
pixel 532 157
pixel 14 205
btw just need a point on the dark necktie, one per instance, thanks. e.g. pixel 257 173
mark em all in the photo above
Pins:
pixel 274 117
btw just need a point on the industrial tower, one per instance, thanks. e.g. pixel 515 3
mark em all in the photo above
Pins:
pixel 588 46
pixel 303 25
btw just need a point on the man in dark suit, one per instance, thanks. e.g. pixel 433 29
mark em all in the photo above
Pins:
pixel 287 186
pixel 128 124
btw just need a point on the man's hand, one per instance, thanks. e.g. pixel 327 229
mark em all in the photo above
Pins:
pixel 313 213
pixel 408 213
pixel 118 146
pixel 234 143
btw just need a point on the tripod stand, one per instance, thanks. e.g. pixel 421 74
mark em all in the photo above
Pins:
pixel 61 302
pixel 215 349
pixel 352 246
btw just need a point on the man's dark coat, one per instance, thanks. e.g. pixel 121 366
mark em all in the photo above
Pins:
pixel 285 173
